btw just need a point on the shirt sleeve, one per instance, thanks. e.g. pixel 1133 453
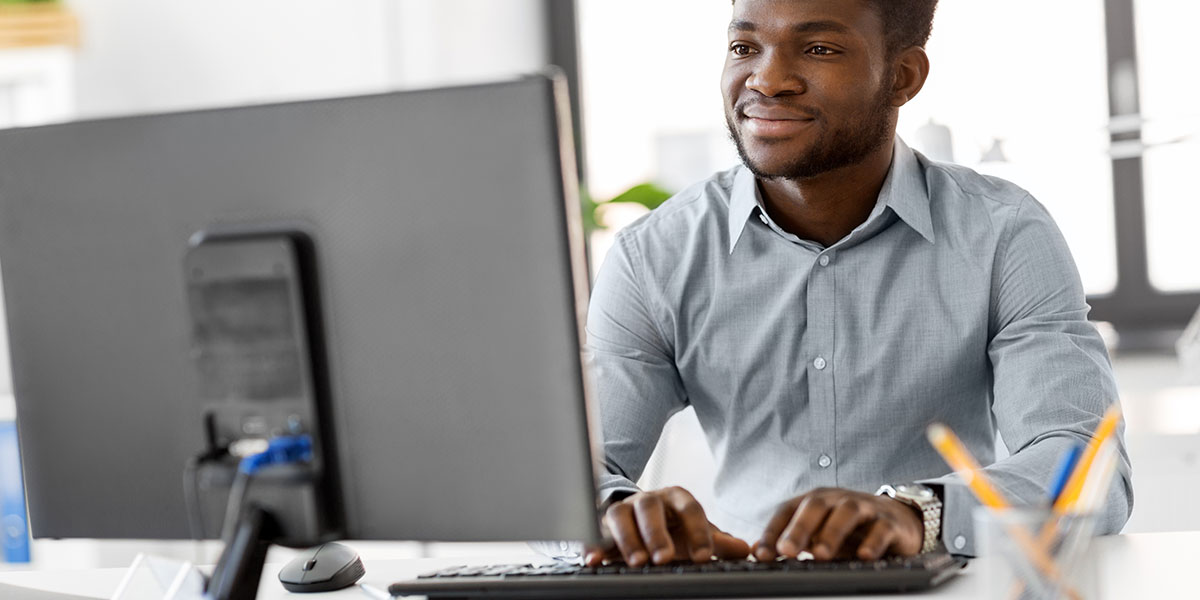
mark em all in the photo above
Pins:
pixel 1052 379
pixel 633 378
pixel 631 362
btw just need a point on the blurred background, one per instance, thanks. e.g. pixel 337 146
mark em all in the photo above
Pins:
pixel 1088 104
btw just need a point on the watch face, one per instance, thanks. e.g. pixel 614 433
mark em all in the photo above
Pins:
pixel 915 490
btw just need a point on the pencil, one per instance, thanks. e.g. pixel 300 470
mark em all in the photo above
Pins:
pixel 1108 425
pixel 956 455
pixel 1062 472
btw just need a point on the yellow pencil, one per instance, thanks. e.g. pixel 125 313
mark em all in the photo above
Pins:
pixel 956 455
pixel 1070 494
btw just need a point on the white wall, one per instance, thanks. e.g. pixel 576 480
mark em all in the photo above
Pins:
pixel 152 56
pixel 439 42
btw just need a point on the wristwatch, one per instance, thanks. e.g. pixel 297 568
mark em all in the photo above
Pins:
pixel 925 502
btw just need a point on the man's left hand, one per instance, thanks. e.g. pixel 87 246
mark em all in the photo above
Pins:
pixel 836 523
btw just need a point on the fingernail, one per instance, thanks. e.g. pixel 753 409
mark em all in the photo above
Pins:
pixel 821 551
pixel 787 547
pixel 703 554
pixel 637 558
pixel 763 553
pixel 662 556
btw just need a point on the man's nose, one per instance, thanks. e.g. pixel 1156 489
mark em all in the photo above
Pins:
pixel 774 76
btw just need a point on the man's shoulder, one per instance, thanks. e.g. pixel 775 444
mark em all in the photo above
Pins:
pixel 701 209
pixel 951 183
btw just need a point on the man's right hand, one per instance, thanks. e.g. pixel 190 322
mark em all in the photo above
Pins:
pixel 662 526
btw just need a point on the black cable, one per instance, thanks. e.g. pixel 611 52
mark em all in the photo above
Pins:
pixel 233 508
pixel 191 498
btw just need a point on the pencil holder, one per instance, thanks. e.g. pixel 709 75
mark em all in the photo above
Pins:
pixel 1032 553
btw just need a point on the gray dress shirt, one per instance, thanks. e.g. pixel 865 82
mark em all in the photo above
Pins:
pixel 956 301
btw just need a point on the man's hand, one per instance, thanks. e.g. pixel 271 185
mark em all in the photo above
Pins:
pixel 836 523
pixel 662 526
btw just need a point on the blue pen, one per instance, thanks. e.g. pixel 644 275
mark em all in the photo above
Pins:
pixel 1065 466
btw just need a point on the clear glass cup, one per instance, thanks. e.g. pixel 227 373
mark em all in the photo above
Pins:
pixel 1031 553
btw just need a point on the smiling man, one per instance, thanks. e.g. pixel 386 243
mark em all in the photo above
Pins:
pixel 824 302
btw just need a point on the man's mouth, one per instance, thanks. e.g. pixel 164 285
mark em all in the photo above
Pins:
pixel 775 127
pixel 774 121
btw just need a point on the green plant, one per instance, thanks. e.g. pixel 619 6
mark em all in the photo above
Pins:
pixel 646 194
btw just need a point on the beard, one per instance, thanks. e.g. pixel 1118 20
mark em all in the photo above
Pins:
pixel 833 148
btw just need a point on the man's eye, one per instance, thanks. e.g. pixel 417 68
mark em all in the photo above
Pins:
pixel 821 51
pixel 741 50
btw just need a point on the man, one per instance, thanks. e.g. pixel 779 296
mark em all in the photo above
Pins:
pixel 820 305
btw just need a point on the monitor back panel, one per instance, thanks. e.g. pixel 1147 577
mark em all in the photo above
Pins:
pixel 451 307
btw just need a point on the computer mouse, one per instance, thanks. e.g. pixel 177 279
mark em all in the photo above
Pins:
pixel 324 568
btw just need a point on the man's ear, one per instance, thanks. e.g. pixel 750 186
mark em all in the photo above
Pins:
pixel 912 69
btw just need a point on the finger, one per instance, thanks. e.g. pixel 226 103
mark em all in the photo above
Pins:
pixel 651 517
pixel 847 515
pixel 624 530
pixel 879 537
pixel 595 557
pixel 692 522
pixel 764 548
pixel 728 547
pixel 807 520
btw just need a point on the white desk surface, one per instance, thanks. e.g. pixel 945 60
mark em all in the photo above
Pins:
pixel 1145 565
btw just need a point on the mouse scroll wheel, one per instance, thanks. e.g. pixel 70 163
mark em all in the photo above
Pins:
pixel 312 562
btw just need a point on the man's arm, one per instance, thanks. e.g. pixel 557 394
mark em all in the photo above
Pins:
pixel 1052 379
pixel 632 369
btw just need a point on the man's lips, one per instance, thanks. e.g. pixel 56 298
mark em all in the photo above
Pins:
pixel 775 113
pixel 773 121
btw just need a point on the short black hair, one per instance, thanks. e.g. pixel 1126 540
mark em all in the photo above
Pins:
pixel 906 23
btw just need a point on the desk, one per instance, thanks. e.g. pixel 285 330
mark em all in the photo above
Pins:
pixel 1144 565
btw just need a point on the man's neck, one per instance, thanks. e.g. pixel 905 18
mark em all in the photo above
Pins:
pixel 826 208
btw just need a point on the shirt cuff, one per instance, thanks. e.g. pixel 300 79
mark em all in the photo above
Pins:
pixel 958 505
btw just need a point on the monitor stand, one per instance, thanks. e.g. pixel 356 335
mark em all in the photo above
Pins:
pixel 240 567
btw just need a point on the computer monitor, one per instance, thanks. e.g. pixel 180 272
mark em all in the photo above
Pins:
pixel 445 234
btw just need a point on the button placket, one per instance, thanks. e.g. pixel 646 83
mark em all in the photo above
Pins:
pixel 819 347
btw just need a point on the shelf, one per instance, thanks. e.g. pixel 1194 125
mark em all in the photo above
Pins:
pixel 40 24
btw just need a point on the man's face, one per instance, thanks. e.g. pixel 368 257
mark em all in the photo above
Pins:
pixel 807 85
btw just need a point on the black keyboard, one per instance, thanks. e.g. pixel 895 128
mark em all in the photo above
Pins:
pixel 717 579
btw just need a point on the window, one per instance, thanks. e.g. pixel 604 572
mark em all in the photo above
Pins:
pixel 1171 134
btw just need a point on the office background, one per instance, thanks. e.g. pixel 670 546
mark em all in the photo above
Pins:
pixel 1086 103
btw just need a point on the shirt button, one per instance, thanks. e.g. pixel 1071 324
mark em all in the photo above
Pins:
pixel 819 363
pixel 824 461
pixel 824 260
pixel 960 542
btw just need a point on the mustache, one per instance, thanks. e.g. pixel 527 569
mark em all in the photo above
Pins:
pixel 740 108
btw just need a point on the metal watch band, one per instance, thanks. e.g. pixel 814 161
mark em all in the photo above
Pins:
pixel 926 502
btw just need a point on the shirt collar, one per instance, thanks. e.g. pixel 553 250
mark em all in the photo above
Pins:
pixel 904 191
pixel 743 199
